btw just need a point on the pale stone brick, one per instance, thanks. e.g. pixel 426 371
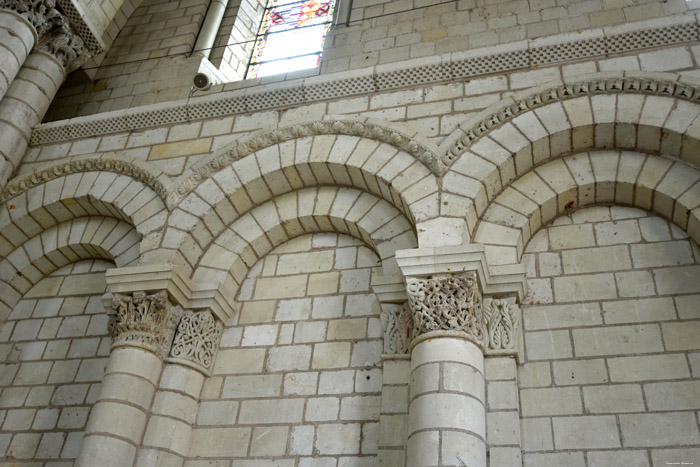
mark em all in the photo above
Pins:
pixel 302 440
pixel 502 428
pixel 584 287
pixel 674 395
pixel 501 395
pixel 354 328
pixel 550 401
pixel 571 236
pixel 635 284
pixel 651 367
pixel 338 438
pixel 289 357
pixel 617 340
pixel 558 316
pixel 600 259
pixel 560 459
pixel 613 399
pixel 271 411
pixel 322 409
pixel 210 442
pixel 331 355
pixel 234 361
pixel 537 434
pixel 681 335
pixel 269 441
pixel 585 432
pixel 659 429
pixel 252 386
pixel 336 382
pixel 545 345
pixel 217 412
pixel 534 375
pixel 257 312
pixel 260 335
pixel 580 372
pixel 635 311
pixel 360 408
pixel 677 280
pixel 662 254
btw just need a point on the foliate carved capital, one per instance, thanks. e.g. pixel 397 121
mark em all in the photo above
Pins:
pixel 397 325
pixel 196 340
pixel 65 46
pixel 446 303
pixel 42 14
pixel 501 325
pixel 144 321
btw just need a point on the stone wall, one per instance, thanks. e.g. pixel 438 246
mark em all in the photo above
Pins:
pixel 611 324
pixel 299 375
pixel 54 349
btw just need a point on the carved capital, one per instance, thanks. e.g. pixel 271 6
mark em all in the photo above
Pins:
pixel 196 340
pixel 501 325
pixel 446 303
pixel 397 325
pixel 42 14
pixel 65 46
pixel 144 321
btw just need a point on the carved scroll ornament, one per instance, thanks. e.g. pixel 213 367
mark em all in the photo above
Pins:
pixel 196 340
pixel 501 322
pixel 397 325
pixel 144 321
pixel 446 303
pixel 65 46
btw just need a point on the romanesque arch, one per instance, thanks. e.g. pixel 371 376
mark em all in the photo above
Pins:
pixel 654 113
pixel 670 188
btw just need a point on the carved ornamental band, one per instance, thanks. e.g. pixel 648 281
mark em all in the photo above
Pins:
pixel 446 303
pixel 196 340
pixel 42 14
pixel 145 321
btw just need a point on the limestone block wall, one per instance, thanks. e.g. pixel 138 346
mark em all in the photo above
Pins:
pixel 392 31
pixel 54 348
pixel 298 376
pixel 611 324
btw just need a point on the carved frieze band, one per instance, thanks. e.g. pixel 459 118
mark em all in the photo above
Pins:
pixel 196 340
pixel 446 303
pixel 144 321
pixel 23 183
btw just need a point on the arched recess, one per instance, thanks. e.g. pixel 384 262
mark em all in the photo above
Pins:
pixel 653 113
pixel 106 187
pixel 231 191
pixel 668 187
pixel 64 243
pixel 362 215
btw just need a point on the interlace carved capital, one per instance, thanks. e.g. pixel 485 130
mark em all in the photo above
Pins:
pixel 501 324
pixel 65 46
pixel 397 325
pixel 449 302
pixel 42 14
pixel 144 321
pixel 196 340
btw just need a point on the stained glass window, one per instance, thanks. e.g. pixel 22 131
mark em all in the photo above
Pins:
pixel 291 36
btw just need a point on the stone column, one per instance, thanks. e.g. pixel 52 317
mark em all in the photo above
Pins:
pixel 30 94
pixel 22 22
pixel 142 328
pixel 174 410
pixel 447 416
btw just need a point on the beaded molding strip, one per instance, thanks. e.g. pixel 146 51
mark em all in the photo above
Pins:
pixel 299 92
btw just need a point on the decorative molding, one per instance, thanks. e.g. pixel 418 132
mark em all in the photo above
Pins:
pixel 397 324
pixel 144 321
pixel 627 84
pixel 42 14
pixel 196 340
pixel 456 66
pixel 494 280
pixel 65 46
pixel 116 165
pixel 446 303
pixel 254 143
pixel 501 324
pixel 92 42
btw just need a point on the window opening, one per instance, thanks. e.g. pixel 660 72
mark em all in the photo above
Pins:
pixel 290 36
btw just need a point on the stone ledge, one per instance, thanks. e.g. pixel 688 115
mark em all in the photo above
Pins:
pixel 255 95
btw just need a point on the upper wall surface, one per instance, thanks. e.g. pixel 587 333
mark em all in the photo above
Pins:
pixel 150 60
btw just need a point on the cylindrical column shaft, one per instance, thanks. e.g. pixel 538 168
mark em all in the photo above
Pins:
pixel 17 37
pixel 211 25
pixel 24 106
pixel 447 415
pixel 118 418
pixel 169 430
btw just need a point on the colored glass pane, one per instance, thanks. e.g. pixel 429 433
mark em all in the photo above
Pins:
pixel 291 36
